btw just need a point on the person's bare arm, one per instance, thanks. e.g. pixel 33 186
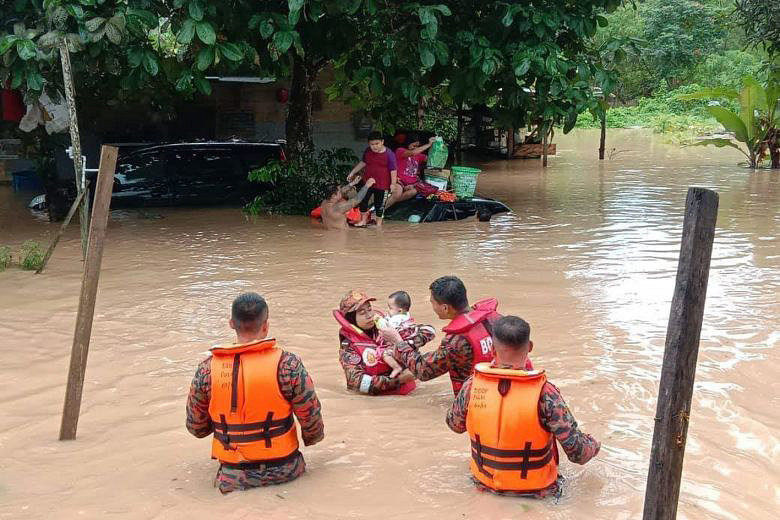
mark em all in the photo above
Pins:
pixel 419 149
pixel 341 207
pixel 353 174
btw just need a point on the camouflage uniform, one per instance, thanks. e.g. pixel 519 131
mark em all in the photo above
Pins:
pixel 555 417
pixel 454 354
pixel 352 362
pixel 297 387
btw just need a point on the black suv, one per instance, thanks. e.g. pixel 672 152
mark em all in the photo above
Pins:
pixel 205 173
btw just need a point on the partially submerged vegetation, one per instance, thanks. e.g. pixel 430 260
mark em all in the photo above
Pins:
pixel 30 256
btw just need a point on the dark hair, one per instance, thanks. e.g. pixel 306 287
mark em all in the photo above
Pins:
pixel 512 331
pixel 412 138
pixel 331 189
pixel 484 215
pixel 375 136
pixel 351 317
pixel 450 290
pixel 402 300
pixel 249 311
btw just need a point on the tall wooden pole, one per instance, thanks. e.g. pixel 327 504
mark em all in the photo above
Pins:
pixel 603 139
pixel 89 285
pixel 682 347
pixel 75 141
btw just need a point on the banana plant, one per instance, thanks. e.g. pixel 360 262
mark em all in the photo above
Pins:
pixel 755 124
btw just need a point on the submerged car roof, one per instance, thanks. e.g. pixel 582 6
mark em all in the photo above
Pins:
pixel 146 147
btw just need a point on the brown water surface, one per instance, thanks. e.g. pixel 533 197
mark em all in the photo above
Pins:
pixel 588 258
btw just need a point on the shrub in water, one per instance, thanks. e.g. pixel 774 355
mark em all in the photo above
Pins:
pixel 299 185
pixel 31 255
pixel 5 257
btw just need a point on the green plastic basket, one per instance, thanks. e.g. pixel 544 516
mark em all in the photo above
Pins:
pixel 464 181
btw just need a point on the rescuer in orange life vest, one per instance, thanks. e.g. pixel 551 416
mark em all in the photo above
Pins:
pixel 246 394
pixel 514 417
pixel 468 341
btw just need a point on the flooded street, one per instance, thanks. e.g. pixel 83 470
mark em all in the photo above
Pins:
pixel 588 257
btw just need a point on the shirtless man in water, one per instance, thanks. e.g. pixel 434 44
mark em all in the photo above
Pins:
pixel 335 207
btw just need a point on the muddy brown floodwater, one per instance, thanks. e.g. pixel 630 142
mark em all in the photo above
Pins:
pixel 588 258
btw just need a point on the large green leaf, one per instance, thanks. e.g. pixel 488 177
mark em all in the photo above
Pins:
pixel 196 10
pixel 751 98
pixel 206 33
pixel 26 49
pixel 720 143
pixel 115 29
pixel 283 40
pixel 730 122
pixel 94 24
pixel 231 51
pixel 266 29
pixel 7 42
pixel 147 17
pixel 35 81
pixel 150 63
pixel 426 55
pixel 203 85
pixel 187 32
pixel 205 57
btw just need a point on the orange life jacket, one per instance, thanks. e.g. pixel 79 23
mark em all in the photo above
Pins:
pixel 510 450
pixel 252 420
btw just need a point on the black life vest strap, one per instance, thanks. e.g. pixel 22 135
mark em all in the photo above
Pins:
pixel 234 383
pixel 246 427
pixel 476 454
pixel 223 424
pixel 267 430
pixel 524 465
pixel 261 464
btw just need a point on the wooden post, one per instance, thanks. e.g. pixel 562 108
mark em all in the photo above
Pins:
pixel 510 143
pixel 89 284
pixel 459 138
pixel 71 212
pixel 603 140
pixel 545 133
pixel 682 348
pixel 75 141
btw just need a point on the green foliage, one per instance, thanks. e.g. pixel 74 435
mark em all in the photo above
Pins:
pixel 728 69
pixel 526 63
pixel 5 257
pixel 300 184
pixel 683 41
pixel 31 255
pixel 756 121
pixel 760 20
pixel 680 33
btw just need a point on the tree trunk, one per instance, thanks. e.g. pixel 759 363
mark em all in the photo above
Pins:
pixel 774 148
pixel 459 138
pixel 545 133
pixel 603 140
pixel 299 131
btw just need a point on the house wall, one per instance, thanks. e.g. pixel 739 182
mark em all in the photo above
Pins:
pixel 252 111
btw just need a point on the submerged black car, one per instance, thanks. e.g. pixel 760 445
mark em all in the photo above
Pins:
pixel 208 173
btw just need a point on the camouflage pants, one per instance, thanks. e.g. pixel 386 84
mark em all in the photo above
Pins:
pixel 233 479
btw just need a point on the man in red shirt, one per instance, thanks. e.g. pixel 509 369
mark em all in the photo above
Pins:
pixel 380 164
